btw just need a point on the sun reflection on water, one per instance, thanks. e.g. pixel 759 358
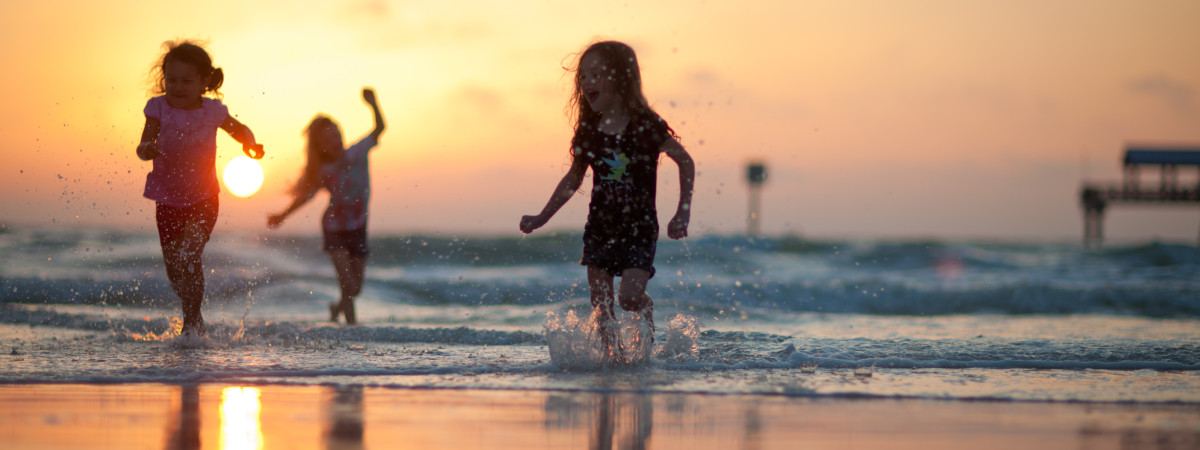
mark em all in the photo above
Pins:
pixel 240 425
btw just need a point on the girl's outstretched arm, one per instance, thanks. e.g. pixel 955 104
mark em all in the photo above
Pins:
pixel 275 220
pixel 677 229
pixel 242 134
pixel 369 97
pixel 564 191
pixel 148 148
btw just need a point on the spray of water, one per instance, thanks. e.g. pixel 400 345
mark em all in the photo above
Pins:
pixel 577 344
pixel 680 342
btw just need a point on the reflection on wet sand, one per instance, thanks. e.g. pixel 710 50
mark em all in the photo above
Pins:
pixel 344 414
pixel 610 417
pixel 241 426
pixel 626 419
pixel 183 430
pixel 241 421
pixel 299 417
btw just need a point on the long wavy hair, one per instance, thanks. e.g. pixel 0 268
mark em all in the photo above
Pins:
pixel 315 155
pixel 192 53
pixel 621 63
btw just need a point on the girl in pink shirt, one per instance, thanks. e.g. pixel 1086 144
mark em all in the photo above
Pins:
pixel 180 137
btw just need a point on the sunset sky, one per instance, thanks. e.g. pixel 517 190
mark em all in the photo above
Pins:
pixel 876 119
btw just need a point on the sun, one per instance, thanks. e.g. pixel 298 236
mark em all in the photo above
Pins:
pixel 243 176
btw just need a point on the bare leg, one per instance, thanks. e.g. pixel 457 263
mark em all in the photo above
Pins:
pixel 183 235
pixel 350 270
pixel 633 296
pixel 600 282
pixel 185 269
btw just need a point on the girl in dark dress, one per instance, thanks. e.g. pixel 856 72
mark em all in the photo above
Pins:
pixel 620 138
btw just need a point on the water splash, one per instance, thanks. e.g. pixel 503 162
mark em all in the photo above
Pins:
pixel 576 344
pixel 174 329
pixel 682 335
pixel 573 343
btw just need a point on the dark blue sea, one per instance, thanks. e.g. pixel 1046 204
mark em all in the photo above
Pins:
pixel 957 320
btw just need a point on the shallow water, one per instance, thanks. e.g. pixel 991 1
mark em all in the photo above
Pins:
pixel 965 321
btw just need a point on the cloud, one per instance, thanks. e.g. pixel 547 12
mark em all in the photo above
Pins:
pixel 703 76
pixel 381 26
pixel 1177 95
pixel 480 98
pixel 702 90
pixel 370 9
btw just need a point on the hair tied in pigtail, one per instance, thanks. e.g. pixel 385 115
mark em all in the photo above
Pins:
pixel 216 79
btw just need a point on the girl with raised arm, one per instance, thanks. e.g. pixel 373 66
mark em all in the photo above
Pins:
pixel 344 172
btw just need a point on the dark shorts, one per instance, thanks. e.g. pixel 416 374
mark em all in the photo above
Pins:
pixel 615 249
pixel 353 240
pixel 172 220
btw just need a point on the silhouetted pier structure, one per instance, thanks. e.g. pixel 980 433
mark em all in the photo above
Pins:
pixel 1096 197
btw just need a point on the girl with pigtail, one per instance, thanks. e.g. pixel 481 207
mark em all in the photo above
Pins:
pixel 180 137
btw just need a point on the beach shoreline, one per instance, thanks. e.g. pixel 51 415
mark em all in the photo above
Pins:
pixel 760 345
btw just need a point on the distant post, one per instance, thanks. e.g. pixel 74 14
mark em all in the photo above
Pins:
pixel 756 175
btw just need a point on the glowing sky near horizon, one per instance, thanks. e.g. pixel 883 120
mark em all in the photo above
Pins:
pixel 877 119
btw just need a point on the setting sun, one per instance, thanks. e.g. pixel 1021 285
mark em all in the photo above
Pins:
pixel 950 118
pixel 243 176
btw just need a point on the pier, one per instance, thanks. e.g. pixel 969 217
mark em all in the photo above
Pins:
pixel 1095 197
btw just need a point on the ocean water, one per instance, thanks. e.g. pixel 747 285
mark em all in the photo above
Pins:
pixel 783 316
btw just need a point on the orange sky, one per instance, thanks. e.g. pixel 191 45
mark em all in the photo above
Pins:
pixel 877 119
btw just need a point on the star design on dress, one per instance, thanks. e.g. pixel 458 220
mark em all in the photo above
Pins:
pixel 619 162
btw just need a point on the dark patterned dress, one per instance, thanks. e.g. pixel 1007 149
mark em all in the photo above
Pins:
pixel 622 226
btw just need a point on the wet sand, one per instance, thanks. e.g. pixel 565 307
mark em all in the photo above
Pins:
pixel 137 416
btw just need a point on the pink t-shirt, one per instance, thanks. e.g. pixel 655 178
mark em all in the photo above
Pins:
pixel 186 171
